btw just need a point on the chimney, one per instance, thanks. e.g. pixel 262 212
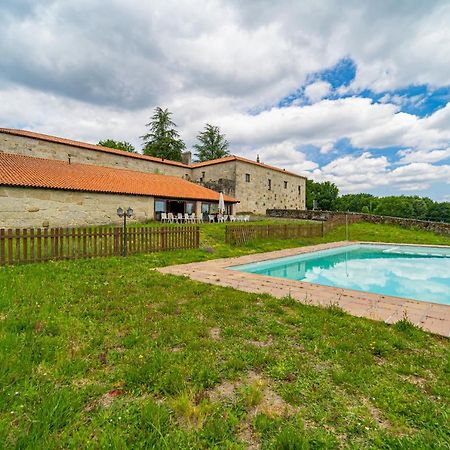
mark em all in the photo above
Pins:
pixel 186 158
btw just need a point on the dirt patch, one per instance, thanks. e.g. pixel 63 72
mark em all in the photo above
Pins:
pixel 272 405
pixel 262 344
pixel 214 333
pixel 268 401
pixel 224 391
pixel 176 349
pixel 416 380
pixel 106 400
pixel 377 415
pixel 248 436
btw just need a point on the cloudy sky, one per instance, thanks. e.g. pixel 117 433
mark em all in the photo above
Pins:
pixel 355 92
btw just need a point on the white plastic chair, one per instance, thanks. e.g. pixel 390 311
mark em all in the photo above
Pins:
pixel 179 218
pixel 246 218
pixel 225 218
pixel 232 218
pixel 211 218
pixel 187 218
pixel 164 217
pixel 220 218
pixel 170 218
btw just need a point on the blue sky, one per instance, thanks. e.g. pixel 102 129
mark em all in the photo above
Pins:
pixel 357 93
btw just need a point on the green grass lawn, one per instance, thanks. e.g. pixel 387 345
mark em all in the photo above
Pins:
pixel 108 353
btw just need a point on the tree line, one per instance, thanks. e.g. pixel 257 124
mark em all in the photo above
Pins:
pixel 162 140
pixel 325 196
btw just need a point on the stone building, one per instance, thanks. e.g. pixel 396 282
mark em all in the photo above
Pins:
pixel 37 192
pixel 255 185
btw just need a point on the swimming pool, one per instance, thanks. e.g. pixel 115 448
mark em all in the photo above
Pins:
pixel 407 271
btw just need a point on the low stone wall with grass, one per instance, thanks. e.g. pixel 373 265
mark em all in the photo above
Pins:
pixel 424 225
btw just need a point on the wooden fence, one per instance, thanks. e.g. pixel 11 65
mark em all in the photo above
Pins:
pixel 23 245
pixel 242 234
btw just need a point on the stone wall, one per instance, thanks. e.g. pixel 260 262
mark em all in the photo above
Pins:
pixel 435 227
pixel 219 177
pixel 256 197
pixel 29 207
pixel 52 150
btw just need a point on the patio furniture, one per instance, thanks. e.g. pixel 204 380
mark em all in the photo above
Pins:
pixel 179 218
pixel 220 218
pixel 164 217
pixel 246 218
pixel 170 217
pixel 211 218
pixel 225 218
pixel 232 218
pixel 187 218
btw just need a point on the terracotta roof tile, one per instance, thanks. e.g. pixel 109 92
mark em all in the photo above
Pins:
pixel 17 170
pixel 98 148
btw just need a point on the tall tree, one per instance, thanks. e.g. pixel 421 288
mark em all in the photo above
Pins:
pixel 212 144
pixel 325 193
pixel 120 145
pixel 163 140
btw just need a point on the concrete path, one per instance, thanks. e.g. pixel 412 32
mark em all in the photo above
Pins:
pixel 432 317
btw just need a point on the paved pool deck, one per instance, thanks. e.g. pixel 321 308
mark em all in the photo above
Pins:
pixel 431 317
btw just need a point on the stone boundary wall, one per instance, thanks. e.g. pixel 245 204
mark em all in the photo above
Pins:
pixel 425 225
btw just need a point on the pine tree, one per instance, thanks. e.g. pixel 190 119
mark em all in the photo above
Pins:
pixel 163 140
pixel 120 145
pixel 212 144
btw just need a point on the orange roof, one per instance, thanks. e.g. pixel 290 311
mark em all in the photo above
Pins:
pixel 98 148
pixel 17 170
pixel 240 158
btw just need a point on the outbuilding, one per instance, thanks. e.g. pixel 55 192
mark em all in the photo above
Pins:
pixel 36 192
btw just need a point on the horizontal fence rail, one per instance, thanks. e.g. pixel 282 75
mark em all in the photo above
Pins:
pixel 242 234
pixel 23 245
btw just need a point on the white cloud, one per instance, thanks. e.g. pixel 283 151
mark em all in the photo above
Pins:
pixel 409 156
pixel 317 91
pixel 93 73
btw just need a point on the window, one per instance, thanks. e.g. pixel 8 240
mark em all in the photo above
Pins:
pixel 299 190
pixel 285 184
pixel 247 178
pixel 269 184
pixel 205 208
pixel 189 207
pixel 160 206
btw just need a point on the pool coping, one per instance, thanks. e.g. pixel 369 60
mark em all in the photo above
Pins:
pixel 432 317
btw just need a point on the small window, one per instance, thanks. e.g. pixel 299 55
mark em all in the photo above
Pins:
pixel 160 206
pixel 285 184
pixel 247 177
pixel 299 190
pixel 189 207
pixel 269 184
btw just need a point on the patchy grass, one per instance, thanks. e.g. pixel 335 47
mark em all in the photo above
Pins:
pixel 110 353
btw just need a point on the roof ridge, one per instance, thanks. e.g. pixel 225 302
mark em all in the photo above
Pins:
pixel 27 171
pixel 89 146
pixel 94 147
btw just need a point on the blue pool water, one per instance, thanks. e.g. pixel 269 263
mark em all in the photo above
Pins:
pixel 419 273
